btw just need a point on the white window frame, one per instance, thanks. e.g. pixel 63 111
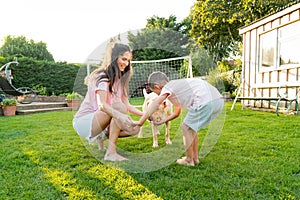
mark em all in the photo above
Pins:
pixel 274 39
pixel 268 40
pixel 293 34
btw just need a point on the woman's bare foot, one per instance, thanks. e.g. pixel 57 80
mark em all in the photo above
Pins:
pixel 101 138
pixel 101 144
pixel 184 161
pixel 114 157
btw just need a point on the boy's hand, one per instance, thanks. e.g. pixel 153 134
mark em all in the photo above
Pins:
pixel 157 123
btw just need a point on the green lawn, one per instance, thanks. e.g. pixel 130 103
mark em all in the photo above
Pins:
pixel 256 157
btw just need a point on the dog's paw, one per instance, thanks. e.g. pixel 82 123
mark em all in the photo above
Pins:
pixel 155 145
pixel 168 142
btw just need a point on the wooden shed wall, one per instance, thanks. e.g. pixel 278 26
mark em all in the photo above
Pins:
pixel 257 83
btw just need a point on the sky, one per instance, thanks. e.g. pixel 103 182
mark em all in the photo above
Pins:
pixel 73 29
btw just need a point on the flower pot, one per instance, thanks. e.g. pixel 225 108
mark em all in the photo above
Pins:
pixel 75 103
pixel 227 97
pixel 9 110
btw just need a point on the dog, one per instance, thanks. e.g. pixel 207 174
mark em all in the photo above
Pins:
pixel 165 110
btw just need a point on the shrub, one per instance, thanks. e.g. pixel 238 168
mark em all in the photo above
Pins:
pixel 74 95
pixel 8 102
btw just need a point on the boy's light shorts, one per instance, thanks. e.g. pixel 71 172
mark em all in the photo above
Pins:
pixel 200 117
pixel 83 126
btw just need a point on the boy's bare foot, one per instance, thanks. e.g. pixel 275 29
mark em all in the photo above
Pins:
pixel 196 160
pixel 184 161
pixel 114 157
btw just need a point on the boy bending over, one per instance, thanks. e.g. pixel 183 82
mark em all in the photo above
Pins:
pixel 203 100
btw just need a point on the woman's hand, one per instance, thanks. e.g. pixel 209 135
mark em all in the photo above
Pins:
pixel 124 122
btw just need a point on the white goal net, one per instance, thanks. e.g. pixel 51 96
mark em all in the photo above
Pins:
pixel 174 68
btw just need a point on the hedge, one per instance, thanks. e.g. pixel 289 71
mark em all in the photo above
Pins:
pixel 56 77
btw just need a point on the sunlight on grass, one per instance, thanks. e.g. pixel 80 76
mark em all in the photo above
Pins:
pixel 123 184
pixel 255 157
pixel 62 180
pixel 66 183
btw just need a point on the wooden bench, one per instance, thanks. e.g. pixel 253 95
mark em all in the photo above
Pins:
pixel 282 96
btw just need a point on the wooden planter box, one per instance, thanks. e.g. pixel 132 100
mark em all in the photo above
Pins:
pixel 50 99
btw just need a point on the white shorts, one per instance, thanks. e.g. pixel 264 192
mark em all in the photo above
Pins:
pixel 83 126
pixel 200 117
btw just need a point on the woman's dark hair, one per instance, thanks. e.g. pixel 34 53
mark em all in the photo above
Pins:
pixel 112 71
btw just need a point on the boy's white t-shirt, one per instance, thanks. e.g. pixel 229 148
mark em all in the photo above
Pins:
pixel 190 92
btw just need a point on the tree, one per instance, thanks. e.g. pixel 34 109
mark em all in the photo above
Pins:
pixel 215 26
pixel 162 38
pixel 202 62
pixel 215 23
pixel 20 47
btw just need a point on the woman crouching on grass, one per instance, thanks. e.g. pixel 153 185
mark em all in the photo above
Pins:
pixel 105 106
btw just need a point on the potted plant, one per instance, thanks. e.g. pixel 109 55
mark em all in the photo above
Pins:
pixel 226 96
pixel 73 100
pixel 9 107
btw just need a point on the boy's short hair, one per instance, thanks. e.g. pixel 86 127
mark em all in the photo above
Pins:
pixel 158 78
